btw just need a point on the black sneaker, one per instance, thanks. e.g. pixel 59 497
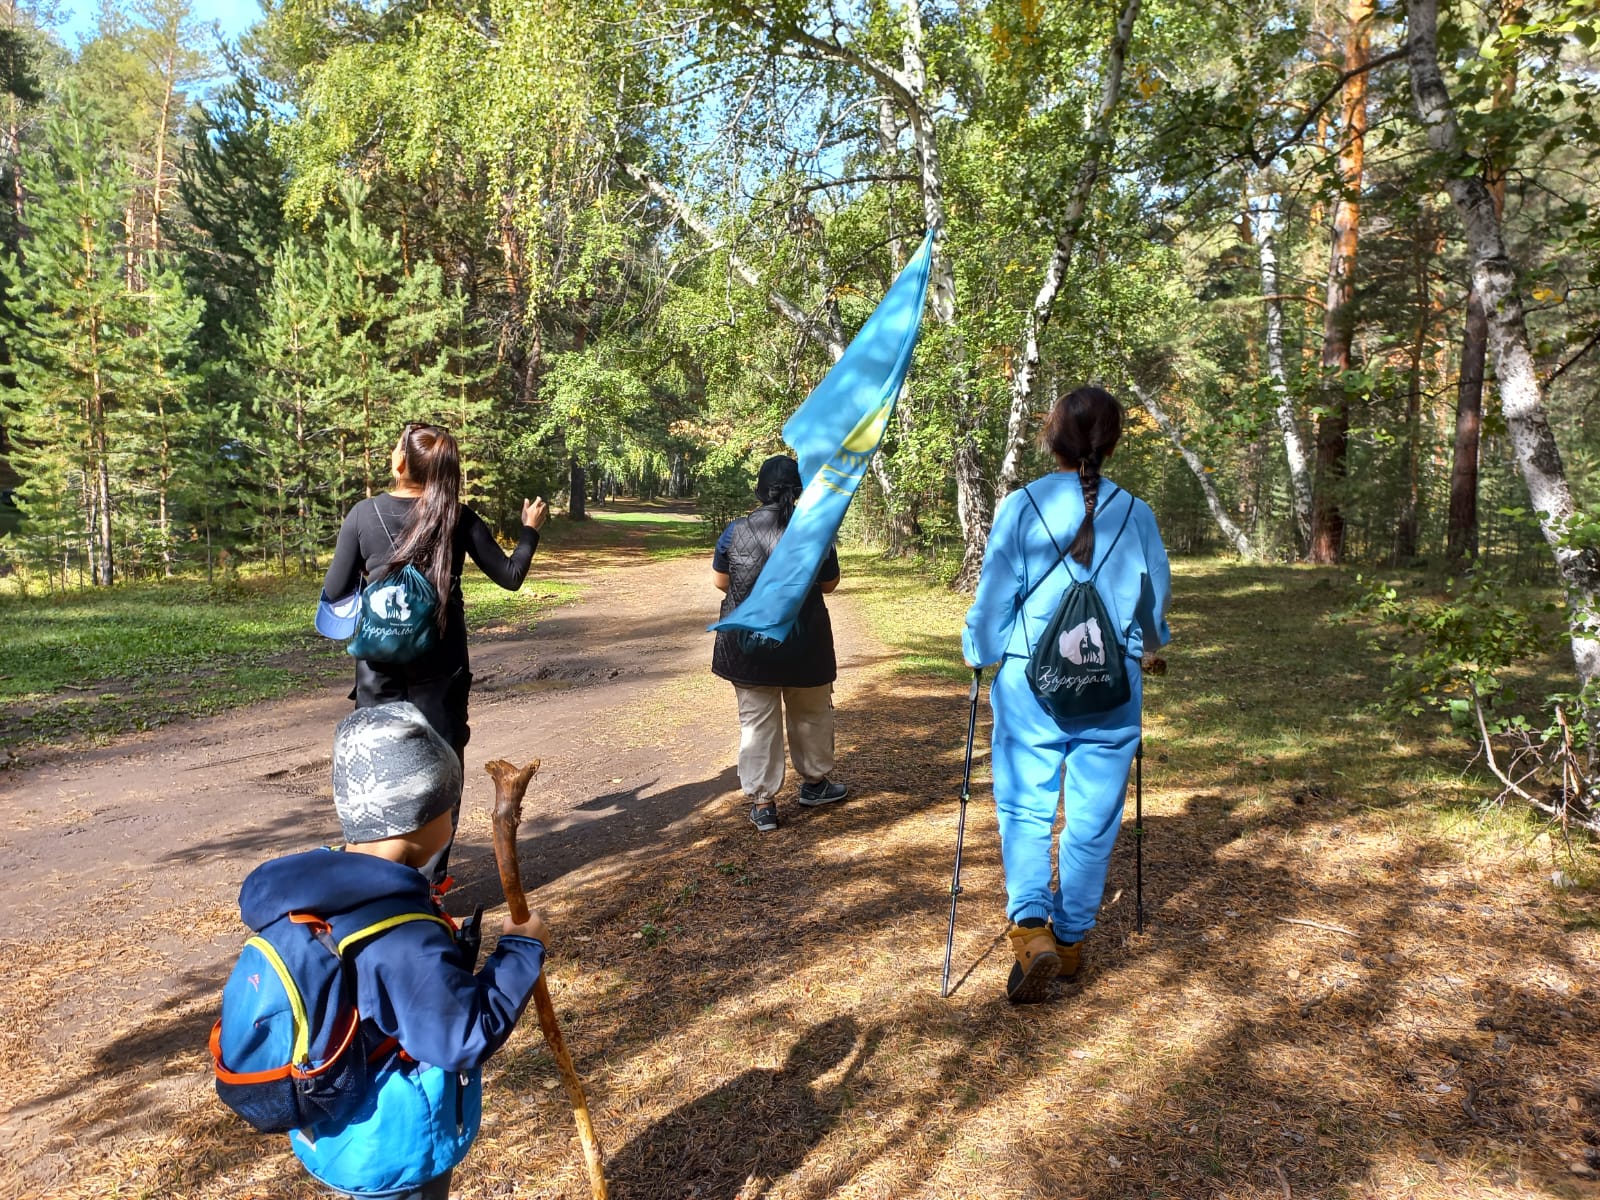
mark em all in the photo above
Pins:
pixel 764 817
pixel 823 791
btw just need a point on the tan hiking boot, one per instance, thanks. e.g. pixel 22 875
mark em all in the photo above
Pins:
pixel 1071 956
pixel 1036 965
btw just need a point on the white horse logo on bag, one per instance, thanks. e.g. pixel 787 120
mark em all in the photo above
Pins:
pixel 389 604
pixel 1083 646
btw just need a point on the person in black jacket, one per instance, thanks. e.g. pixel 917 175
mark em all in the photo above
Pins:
pixel 421 521
pixel 790 683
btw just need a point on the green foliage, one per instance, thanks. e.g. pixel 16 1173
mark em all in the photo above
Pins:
pixel 98 409
pixel 1457 651
pixel 351 345
pixel 1457 655
pixel 724 492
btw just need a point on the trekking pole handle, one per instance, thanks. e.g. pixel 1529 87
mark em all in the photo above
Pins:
pixel 972 728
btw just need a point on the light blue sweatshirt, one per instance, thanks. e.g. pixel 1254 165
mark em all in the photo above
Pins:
pixel 1135 581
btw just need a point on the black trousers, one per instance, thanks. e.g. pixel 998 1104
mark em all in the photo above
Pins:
pixel 441 698
pixel 442 701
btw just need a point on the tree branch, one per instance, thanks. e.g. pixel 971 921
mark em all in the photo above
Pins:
pixel 1562 369
pixel 820 185
pixel 1232 532
pixel 1265 159
pixel 886 75
pixel 781 303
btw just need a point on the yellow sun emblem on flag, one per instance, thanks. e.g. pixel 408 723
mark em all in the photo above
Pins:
pixel 850 464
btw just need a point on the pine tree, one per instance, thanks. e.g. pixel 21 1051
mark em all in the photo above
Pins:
pixel 363 267
pixel 80 352
pixel 292 433
pixel 230 188
pixel 158 454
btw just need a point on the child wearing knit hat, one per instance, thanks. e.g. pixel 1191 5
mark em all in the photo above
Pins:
pixel 429 1021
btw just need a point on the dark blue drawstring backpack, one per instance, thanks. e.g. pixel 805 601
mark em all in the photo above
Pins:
pixel 398 618
pixel 1079 667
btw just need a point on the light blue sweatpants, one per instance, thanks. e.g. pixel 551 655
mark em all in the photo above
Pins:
pixel 1030 749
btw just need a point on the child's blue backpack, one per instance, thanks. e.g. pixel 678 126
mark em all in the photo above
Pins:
pixel 1079 667
pixel 288 1049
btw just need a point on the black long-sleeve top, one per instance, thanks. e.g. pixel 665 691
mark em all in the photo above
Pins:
pixel 367 539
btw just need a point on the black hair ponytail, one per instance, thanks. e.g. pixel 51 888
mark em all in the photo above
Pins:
pixel 784 500
pixel 428 540
pixel 1082 548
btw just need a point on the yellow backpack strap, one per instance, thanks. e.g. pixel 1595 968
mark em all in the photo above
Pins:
pixel 350 940
pixel 301 1051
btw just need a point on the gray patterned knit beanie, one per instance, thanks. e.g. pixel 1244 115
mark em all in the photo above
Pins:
pixel 392 773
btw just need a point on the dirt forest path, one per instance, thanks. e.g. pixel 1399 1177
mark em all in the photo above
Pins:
pixel 124 862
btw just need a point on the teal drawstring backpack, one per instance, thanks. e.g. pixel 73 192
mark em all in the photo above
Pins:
pixel 397 623
pixel 1079 667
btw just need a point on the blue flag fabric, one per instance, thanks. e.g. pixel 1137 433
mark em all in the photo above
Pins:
pixel 835 434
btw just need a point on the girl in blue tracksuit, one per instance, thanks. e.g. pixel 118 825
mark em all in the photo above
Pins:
pixel 1048 919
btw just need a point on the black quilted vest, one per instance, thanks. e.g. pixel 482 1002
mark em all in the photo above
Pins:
pixel 805 658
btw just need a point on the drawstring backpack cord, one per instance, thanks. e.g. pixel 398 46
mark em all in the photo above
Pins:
pixel 1062 554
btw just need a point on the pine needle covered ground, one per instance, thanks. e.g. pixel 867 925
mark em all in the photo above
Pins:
pixel 1352 983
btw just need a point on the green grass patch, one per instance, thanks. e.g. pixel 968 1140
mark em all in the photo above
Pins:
pixel 669 531
pixel 491 605
pixel 175 629
pixel 91 664
pixel 908 611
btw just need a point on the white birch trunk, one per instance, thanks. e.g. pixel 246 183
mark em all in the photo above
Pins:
pixel 1494 276
pixel 972 508
pixel 1025 371
pixel 1294 447
pixel 1231 531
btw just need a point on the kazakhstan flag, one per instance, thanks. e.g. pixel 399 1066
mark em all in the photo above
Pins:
pixel 835 433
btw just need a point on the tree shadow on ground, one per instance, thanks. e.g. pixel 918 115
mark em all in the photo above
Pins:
pixel 735 1141
pixel 617 823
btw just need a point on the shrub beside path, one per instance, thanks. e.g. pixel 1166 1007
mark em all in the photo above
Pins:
pixel 1338 995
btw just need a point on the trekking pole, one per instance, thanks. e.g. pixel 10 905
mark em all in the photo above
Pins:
pixel 961 829
pixel 1138 837
pixel 510 784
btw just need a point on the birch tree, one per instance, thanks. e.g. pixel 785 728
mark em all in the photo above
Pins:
pixel 1494 277
pixel 1283 409
pixel 1067 231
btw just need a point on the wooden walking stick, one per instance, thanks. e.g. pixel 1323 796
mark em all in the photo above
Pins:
pixel 510 784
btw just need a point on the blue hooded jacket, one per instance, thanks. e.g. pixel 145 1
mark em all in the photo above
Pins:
pixel 415 985
pixel 412 982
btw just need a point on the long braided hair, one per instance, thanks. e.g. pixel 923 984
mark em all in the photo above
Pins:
pixel 1081 430
pixel 428 539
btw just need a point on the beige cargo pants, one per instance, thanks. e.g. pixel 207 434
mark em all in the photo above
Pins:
pixel 763 714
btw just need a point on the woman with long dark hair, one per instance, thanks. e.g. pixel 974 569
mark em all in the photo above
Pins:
pixel 1070 526
pixel 421 522
pixel 786 683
